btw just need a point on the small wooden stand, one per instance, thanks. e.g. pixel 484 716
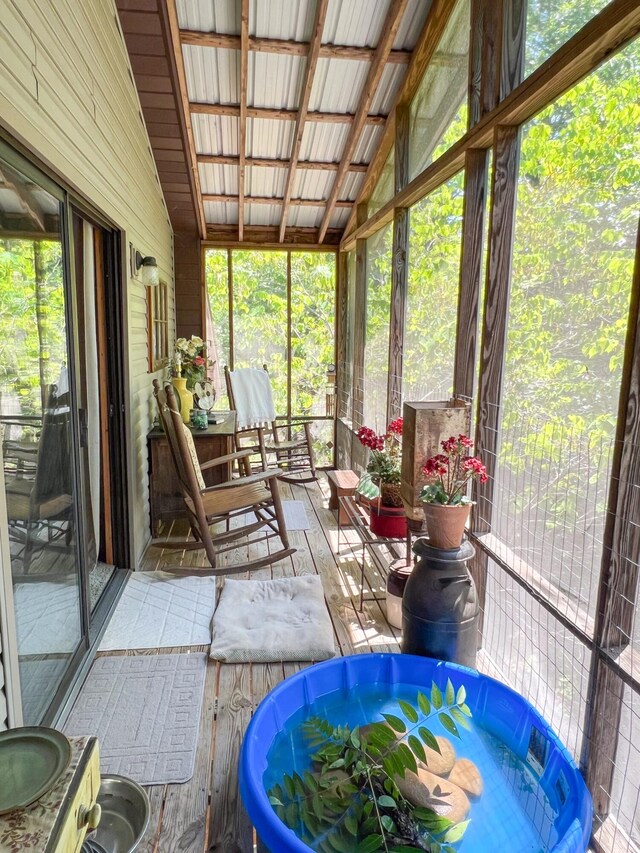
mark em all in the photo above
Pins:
pixel 342 484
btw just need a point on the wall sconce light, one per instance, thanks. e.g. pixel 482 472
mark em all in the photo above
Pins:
pixel 150 274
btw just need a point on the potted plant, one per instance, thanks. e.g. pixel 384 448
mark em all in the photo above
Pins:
pixel 188 366
pixel 445 499
pixel 381 483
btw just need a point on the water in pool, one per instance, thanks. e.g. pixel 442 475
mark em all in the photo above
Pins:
pixel 512 814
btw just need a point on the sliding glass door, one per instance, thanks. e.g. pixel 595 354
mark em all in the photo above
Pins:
pixel 39 439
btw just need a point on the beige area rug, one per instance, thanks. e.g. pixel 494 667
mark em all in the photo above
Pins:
pixel 145 712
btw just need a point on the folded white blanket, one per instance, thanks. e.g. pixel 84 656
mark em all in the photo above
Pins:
pixel 253 397
pixel 272 620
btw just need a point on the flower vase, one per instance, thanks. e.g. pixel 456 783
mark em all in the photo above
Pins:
pixel 185 397
pixel 445 524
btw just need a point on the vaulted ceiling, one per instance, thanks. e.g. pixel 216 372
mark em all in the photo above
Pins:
pixel 265 115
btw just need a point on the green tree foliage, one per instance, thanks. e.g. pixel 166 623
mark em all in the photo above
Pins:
pixel 32 323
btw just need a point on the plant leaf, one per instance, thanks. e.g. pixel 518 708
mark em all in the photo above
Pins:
pixel 418 750
pixel 459 717
pixel 448 723
pixel 429 739
pixel 456 832
pixel 370 844
pixel 461 695
pixel 449 694
pixel 409 711
pixel 436 696
pixel 396 723
pixel 275 801
pixel 386 802
pixel 424 704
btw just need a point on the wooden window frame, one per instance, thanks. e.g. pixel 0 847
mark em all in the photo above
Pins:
pixel 158 326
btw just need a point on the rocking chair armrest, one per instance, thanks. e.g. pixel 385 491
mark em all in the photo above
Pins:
pixel 258 477
pixel 221 460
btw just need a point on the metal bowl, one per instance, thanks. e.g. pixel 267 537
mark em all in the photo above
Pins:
pixel 125 814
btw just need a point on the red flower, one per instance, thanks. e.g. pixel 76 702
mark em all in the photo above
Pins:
pixel 395 426
pixel 368 438
pixel 465 441
pixel 198 361
pixel 476 468
pixel 436 466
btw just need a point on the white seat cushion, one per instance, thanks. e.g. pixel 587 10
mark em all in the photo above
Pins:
pixel 272 620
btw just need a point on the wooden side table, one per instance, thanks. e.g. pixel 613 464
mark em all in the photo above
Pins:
pixel 59 821
pixel 164 493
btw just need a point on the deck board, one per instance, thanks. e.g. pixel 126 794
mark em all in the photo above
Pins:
pixel 206 815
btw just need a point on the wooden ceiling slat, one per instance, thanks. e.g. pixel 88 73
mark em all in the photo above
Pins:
pixel 389 31
pixel 305 95
pixel 291 48
pixel 271 163
pixel 281 114
pixel 224 198
pixel 242 132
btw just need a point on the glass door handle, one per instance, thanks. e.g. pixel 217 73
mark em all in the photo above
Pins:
pixel 84 428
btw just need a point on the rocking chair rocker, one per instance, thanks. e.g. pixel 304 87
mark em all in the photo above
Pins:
pixel 207 507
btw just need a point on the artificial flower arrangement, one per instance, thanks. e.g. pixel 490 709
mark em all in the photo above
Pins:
pixel 445 501
pixel 189 360
pixel 449 473
pixel 382 479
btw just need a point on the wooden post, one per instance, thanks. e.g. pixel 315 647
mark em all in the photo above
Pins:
pixel 475 195
pixel 618 586
pixel 399 268
pixel 360 327
pixel 230 289
pixel 343 378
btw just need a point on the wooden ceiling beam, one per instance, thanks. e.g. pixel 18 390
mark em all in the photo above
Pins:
pixel 169 14
pixel 389 31
pixel 423 54
pixel 272 163
pixel 225 198
pixel 266 237
pixel 281 114
pixel 242 131
pixel 305 95
pixel 290 48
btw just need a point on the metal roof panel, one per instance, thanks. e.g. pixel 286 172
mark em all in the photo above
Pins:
pixel 220 213
pixel 337 85
pixel 209 16
pixel 313 183
pixel 274 80
pixel 263 214
pixel 216 179
pixel 282 19
pixel 271 138
pixel 213 74
pixel 215 134
pixel 260 181
pixel 324 142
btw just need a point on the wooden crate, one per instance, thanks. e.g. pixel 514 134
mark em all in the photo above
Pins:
pixel 425 425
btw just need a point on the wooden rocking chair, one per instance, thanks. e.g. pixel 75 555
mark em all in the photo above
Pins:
pixel 255 493
pixel 261 433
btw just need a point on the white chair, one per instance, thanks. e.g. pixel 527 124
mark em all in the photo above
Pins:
pixel 251 397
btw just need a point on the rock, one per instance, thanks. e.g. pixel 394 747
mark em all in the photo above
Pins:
pixel 441 762
pixel 432 792
pixel 466 775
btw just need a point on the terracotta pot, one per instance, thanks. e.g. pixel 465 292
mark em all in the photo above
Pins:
pixel 387 521
pixel 445 524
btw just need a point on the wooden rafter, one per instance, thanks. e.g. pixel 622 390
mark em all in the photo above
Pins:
pixel 290 48
pixel 266 237
pixel 305 95
pixel 273 163
pixel 225 198
pixel 390 28
pixel 174 56
pixel 281 114
pixel 423 54
pixel 242 131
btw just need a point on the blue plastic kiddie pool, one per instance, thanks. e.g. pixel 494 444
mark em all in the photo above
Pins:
pixel 534 799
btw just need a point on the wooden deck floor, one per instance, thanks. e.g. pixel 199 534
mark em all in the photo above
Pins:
pixel 206 814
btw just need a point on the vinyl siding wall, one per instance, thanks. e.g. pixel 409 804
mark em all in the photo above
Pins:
pixel 67 93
